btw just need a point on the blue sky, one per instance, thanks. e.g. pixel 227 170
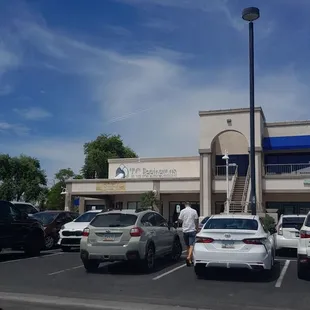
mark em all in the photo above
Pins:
pixel 70 70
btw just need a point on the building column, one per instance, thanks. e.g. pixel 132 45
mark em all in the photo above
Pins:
pixel 82 205
pixel 259 185
pixel 205 184
pixel 68 202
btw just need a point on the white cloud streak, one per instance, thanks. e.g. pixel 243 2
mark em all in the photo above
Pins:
pixel 33 113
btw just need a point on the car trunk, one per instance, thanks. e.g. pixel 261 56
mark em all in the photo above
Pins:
pixel 291 227
pixel 111 229
pixel 228 240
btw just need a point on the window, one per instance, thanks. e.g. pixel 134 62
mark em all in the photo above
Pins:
pixel 307 222
pixel 74 215
pixel 262 223
pixel 114 220
pixel 4 209
pixel 133 205
pixel 86 217
pixel 45 217
pixel 231 223
pixel 149 219
pixel 160 221
pixel 293 222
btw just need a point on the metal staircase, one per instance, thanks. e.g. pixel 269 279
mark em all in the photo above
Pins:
pixel 236 205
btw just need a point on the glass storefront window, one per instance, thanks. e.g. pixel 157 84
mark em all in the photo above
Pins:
pixel 289 207
pixel 173 215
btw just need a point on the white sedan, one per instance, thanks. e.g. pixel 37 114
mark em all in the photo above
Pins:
pixel 234 241
pixel 71 233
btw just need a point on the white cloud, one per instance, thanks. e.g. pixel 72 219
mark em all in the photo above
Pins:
pixel 33 113
pixel 15 128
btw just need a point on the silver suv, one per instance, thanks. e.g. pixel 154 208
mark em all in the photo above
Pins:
pixel 131 236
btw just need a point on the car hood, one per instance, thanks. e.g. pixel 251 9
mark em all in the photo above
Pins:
pixel 75 226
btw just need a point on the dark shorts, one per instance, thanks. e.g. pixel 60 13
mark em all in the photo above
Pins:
pixel 189 238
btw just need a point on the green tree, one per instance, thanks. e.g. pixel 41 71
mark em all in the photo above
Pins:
pixel 148 200
pixel 98 152
pixel 21 177
pixel 56 200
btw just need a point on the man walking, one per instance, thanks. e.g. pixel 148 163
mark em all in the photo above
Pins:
pixel 189 219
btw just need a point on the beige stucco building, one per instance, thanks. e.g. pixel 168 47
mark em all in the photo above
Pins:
pixel 282 156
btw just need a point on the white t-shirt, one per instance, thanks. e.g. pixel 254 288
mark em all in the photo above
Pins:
pixel 188 216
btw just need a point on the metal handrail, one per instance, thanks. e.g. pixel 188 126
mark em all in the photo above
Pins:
pixel 233 183
pixel 300 168
pixel 221 170
pixel 246 187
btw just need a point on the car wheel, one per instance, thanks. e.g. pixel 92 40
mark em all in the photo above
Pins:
pixel 302 271
pixel 149 259
pixel 49 242
pixel 200 270
pixel 66 248
pixel 176 250
pixel 91 265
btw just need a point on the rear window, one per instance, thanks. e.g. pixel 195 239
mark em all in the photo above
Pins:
pixel 204 220
pixel 307 223
pixel 293 222
pixel 114 220
pixel 235 223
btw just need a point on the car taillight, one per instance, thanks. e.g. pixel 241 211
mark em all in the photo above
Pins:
pixel 304 234
pixel 204 240
pixel 85 232
pixel 280 230
pixel 136 232
pixel 253 241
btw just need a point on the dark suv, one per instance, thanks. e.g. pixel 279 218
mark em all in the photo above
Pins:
pixel 18 230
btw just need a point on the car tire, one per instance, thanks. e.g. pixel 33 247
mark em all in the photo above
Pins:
pixel 66 248
pixel 176 250
pixel 148 264
pixel 200 270
pixel 49 242
pixel 302 271
pixel 91 265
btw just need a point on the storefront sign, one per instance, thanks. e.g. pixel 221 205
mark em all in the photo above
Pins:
pixel 152 173
pixel 111 187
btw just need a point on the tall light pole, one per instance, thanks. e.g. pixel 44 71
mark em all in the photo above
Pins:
pixel 251 14
pixel 226 158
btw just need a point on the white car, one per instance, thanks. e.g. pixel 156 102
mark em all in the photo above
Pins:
pixel 71 233
pixel 234 241
pixel 303 250
pixel 288 231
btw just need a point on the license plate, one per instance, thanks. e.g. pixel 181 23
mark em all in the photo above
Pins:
pixel 108 238
pixel 228 245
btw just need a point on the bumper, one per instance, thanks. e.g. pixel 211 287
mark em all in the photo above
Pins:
pixel 128 252
pixel 252 261
pixel 284 243
pixel 304 260
pixel 70 242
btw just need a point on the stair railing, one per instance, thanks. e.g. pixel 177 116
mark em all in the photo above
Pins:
pixel 245 190
pixel 234 179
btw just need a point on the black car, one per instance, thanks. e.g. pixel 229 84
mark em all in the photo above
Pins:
pixel 19 231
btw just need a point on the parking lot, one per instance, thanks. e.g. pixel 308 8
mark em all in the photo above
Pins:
pixel 61 274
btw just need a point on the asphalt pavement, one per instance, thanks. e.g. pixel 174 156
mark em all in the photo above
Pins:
pixel 57 280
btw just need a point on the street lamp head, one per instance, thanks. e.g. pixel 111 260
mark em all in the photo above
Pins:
pixel 250 14
pixel 225 157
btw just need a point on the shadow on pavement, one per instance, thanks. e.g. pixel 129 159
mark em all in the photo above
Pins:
pixel 11 256
pixel 287 253
pixel 242 275
pixel 124 268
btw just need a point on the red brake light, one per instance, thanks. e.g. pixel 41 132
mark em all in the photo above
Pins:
pixel 253 241
pixel 204 240
pixel 304 234
pixel 85 232
pixel 136 232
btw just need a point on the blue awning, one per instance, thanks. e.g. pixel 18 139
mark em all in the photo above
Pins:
pixel 286 143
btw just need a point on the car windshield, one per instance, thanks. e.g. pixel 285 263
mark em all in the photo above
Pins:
pixel 86 217
pixel 45 217
pixel 231 223
pixel 25 208
pixel 293 222
pixel 114 220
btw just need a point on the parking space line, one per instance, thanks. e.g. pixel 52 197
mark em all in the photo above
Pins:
pixel 29 258
pixel 282 274
pixel 168 272
pixel 64 270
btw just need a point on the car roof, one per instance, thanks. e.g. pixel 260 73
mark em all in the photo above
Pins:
pixel 93 211
pixel 129 211
pixel 236 216
pixel 22 202
pixel 294 215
